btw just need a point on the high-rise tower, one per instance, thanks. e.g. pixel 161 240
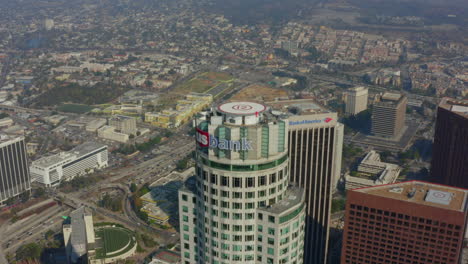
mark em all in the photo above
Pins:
pixel 315 148
pixel 408 222
pixel 356 100
pixel 14 170
pixel 388 115
pixel 242 209
pixel 450 150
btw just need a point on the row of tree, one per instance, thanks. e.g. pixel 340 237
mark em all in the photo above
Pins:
pixel 113 203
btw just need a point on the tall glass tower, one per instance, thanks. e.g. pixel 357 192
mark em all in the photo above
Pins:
pixel 240 208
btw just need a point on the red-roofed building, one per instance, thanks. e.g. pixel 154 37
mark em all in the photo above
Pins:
pixel 166 257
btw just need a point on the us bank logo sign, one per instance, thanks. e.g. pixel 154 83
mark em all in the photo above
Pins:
pixel 314 121
pixel 204 139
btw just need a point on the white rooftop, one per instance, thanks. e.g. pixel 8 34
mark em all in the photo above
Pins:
pixel 439 197
pixel 241 108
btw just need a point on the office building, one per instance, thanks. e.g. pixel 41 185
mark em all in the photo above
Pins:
pixel 94 124
pixel 450 149
pixel 371 171
pixel 110 133
pixel 356 100
pixel 409 222
pixel 388 115
pixel 81 160
pixel 123 124
pixel 241 208
pixel 315 148
pixel 48 24
pixel 14 171
pixel 85 243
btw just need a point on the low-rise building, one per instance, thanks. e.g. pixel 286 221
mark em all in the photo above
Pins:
pixel 95 124
pixel 81 160
pixel 55 119
pixel 6 122
pixel 155 213
pixel 372 171
pixel 124 109
pixel 183 112
pixel 166 257
pixel 159 203
pixel 110 133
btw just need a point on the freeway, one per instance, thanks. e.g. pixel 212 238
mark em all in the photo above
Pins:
pixel 142 171
pixel 37 232
pixel 163 235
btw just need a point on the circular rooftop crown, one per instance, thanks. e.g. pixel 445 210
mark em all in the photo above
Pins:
pixel 241 108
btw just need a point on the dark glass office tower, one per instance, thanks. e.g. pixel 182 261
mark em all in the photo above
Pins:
pixel 14 168
pixel 450 149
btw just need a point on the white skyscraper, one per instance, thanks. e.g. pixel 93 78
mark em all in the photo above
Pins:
pixel 241 209
pixel 356 100
pixel 49 24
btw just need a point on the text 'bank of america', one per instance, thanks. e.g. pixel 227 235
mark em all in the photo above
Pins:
pixel 240 207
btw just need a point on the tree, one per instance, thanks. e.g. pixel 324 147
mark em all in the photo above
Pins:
pixel 133 187
pixel 338 205
pixel 25 196
pixel 143 216
pixel 28 251
pixel 4 115
pixel 49 234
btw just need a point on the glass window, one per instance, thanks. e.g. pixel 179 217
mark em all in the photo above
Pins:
pixel 251 182
pixel 271 219
pixel 260 228
pixel 272 178
pixel 262 181
pixel 224 181
pixel 224 214
pixel 237 182
pixel 214 179
pixel 271 251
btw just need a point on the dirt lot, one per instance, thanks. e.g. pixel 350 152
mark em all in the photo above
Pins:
pixel 259 93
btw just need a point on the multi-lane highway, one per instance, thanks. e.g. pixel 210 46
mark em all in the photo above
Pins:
pixel 32 228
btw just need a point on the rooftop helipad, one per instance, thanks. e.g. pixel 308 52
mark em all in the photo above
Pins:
pixel 241 108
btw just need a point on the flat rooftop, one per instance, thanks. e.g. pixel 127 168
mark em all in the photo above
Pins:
pixel 75 153
pixel 120 117
pixel 423 193
pixel 78 235
pixel 7 139
pixel 390 99
pixel 241 108
pixel 292 197
pixel 457 106
pixel 391 96
pixel 298 107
